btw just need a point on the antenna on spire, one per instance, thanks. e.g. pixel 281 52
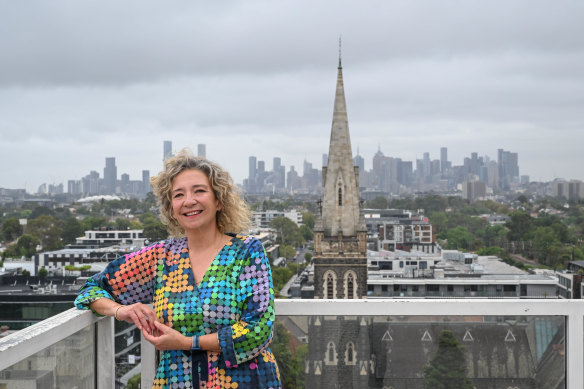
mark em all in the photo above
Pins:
pixel 340 36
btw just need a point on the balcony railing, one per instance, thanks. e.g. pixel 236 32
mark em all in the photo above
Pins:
pixel 76 349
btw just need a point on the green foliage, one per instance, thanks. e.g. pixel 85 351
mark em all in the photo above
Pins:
pixel 520 225
pixel 26 273
pixel 306 232
pixel 291 366
pixel 94 223
pixel 43 272
pixel 134 382
pixel 380 202
pixel 459 238
pixel 280 275
pixel 288 232
pixel 148 218
pixel 77 268
pixel 439 222
pixel 447 368
pixel 123 224
pixel 11 229
pixel 308 219
pixel 48 230
pixel 25 246
pixel 72 229
pixel 41 210
pixel 287 251
pixel 155 231
pixel 307 257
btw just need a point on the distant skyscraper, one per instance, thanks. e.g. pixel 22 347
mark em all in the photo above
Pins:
pixel 443 159
pixel 251 179
pixel 508 167
pixel 167 152
pixel 359 161
pixel 202 150
pixel 324 159
pixel 146 187
pixel 110 175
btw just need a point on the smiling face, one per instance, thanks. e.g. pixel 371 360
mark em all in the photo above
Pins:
pixel 194 205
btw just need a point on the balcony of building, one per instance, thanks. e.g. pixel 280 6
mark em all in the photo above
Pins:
pixel 377 343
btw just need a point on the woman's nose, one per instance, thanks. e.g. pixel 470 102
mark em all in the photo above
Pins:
pixel 191 199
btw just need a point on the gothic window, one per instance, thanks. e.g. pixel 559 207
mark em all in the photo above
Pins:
pixel 350 285
pixel 350 357
pixel 340 196
pixel 330 357
pixel 330 286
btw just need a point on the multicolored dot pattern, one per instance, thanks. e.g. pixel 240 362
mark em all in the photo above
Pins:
pixel 235 299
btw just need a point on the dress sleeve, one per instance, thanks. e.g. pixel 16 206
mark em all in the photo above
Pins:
pixel 126 280
pixel 245 339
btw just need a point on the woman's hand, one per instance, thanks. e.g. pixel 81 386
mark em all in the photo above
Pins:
pixel 140 314
pixel 166 338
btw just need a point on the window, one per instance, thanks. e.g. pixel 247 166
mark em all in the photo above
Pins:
pixel 330 286
pixel 350 286
pixel 340 196
pixel 330 356
pixel 423 265
pixel 432 288
pixel 350 356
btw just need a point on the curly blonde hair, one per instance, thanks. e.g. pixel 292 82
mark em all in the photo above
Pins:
pixel 235 214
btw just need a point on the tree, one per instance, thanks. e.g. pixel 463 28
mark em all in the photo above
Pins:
pixel 306 232
pixel 41 210
pixel 48 230
pixel 155 231
pixel 93 223
pixel 447 368
pixel 281 349
pixel 123 224
pixel 307 257
pixel 459 238
pixel 380 202
pixel 43 272
pixel 11 229
pixel 287 251
pixel 520 225
pixel 288 231
pixel 72 229
pixel 26 246
pixel 26 273
pixel 438 221
pixel 308 219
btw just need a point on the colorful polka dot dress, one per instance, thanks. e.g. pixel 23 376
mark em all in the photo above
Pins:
pixel 234 299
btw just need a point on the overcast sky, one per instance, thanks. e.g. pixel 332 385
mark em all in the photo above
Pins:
pixel 84 80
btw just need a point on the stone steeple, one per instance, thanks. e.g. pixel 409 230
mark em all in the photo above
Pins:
pixel 340 178
pixel 340 235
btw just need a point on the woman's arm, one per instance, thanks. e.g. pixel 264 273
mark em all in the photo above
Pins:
pixel 140 314
pixel 247 338
pixel 166 338
pixel 124 286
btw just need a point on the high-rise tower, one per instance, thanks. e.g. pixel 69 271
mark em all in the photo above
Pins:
pixel 340 261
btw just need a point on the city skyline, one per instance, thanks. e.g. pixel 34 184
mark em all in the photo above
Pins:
pixel 417 77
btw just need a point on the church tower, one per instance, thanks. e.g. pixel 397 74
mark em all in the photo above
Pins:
pixel 340 245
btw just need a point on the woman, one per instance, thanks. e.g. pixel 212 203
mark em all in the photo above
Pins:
pixel 211 289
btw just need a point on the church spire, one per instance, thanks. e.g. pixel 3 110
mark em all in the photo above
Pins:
pixel 340 66
pixel 340 213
